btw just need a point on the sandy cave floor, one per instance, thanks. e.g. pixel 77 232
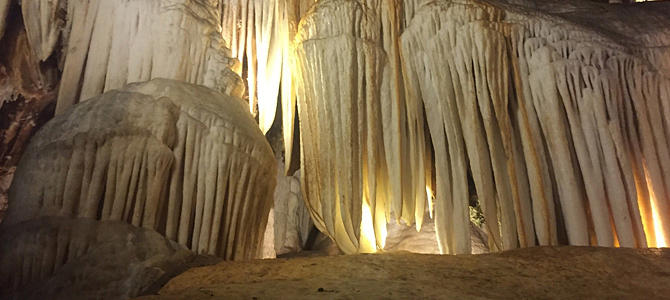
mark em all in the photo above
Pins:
pixel 531 273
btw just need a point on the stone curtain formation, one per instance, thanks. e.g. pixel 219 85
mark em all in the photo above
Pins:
pixel 555 117
pixel 108 44
pixel 561 124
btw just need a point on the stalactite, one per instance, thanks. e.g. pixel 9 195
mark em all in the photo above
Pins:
pixel 550 115
pixel 340 66
pixel 260 32
pixel 560 122
pixel 178 158
pixel 108 44
pixel 540 99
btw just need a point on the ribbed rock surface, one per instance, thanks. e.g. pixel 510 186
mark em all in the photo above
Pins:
pixel 292 222
pixel 554 114
pixel 63 258
pixel 175 157
pixel 105 44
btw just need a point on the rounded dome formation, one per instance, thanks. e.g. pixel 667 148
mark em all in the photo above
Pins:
pixel 176 157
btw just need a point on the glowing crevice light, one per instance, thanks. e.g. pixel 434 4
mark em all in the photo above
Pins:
pixel 367 239
pixel 658 227
pixel 660 239
pixel 429 198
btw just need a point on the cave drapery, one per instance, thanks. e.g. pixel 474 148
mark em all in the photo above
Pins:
pixel 554 115
pixel 561 123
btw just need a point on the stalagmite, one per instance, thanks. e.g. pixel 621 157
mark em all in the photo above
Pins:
pixel 182 159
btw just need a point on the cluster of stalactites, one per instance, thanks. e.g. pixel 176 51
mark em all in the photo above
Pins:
pixel 107 44
pixel 563 131
pixel 340 65
pixel 260 34
pixel 363 145
pixel 555 123
pixel 178 158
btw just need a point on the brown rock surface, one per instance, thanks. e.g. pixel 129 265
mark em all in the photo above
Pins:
pixel 531 273
pixel 28 90
pixel 60 258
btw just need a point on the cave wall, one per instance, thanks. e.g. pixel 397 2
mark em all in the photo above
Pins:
pixel 554 115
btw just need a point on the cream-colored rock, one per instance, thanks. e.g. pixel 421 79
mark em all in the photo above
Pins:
pixel 559 121
pixel 269 237
pixel 289 222
pixel 401 237
pixel 261 33
pixel 546 106
pixel 340 67
pixel 63 258
pixel 292 220
pixel 179 158
pixel 558 113
pixel 110 43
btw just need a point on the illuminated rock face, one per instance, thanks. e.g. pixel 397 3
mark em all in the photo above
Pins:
pixel 175 157
pixel 555 115
pixel 341 68
pixel 558 114
pixel 546 104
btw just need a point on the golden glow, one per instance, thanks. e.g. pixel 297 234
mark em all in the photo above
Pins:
pixel 368 242
pixel 429 198
pixel 658 227
pixel 267 86
pixel 383 233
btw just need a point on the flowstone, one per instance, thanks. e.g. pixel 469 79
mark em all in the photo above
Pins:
pixel 175 157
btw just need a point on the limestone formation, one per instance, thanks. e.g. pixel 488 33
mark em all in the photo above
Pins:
pixel 4 10
pixel 341 66
pixel 110 43
pixel 63 258
pixel 558 114
pixel 178 158
pixel 292 222
pixel 554 115
pixel 401 237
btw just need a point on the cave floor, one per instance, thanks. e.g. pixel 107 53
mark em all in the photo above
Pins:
pixel 531 273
